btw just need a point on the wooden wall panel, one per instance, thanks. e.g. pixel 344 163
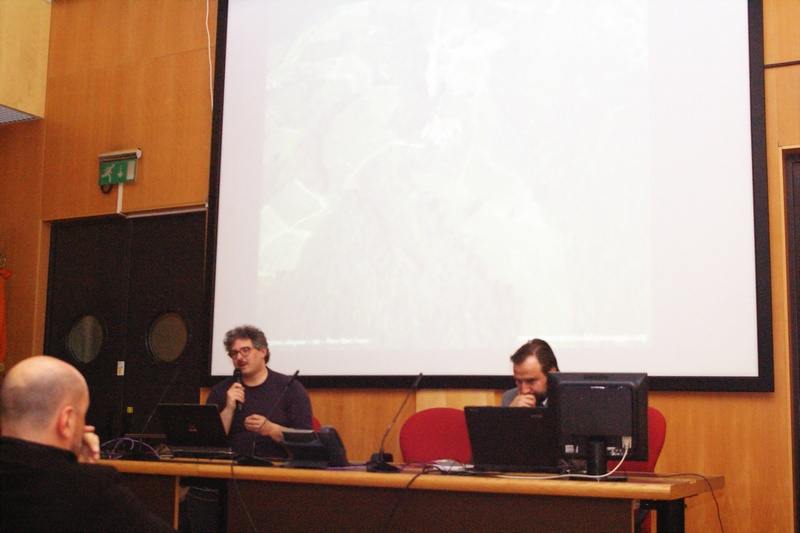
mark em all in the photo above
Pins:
pixel 362 417
pixel 23 236
pixel 24 44
pixel 172 26
pixel 744 437
pixel 89 35
pixel 781 34
pixel 84 120
pixel 458 399
pixel 104 34
pixel 783 110
pixel 128 75
pixel 171 122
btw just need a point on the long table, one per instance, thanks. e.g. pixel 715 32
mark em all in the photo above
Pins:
pixel 288 499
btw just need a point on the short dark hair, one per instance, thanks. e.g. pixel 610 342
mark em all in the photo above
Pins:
pixel 247 332
pixel 539 349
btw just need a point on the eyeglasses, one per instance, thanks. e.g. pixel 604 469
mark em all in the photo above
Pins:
pixel 244 351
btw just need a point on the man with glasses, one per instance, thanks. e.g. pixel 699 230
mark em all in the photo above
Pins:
pixel 532 362
pixel 257 407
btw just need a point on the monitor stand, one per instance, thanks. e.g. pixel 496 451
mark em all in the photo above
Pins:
pixel 597 464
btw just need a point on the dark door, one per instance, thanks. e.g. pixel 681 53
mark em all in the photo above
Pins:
pixel 167 261
pixel 88 286
pixel 791 167
pixel 111 280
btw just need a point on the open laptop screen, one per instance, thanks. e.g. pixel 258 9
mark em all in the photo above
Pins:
pixel 193 426
pixel 513 439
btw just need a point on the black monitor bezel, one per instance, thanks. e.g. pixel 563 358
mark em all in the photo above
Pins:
pixel 559 382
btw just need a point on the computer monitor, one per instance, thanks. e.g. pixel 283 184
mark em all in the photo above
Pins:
pixel 599 415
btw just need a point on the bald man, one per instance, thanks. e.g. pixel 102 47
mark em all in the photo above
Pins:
pixel 47 479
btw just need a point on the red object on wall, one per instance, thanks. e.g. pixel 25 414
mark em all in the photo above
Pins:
pixel 4 275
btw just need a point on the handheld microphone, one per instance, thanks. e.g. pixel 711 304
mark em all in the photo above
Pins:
pixel 237 375
pixel 379 462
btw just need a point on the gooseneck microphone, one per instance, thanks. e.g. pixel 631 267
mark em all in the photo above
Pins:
pixel 237 375
pixel 281 395
pixel 259 460
pixel 379 461
pixel 139 454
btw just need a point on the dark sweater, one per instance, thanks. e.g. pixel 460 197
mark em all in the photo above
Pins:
pixel 43 488
pixel 289 407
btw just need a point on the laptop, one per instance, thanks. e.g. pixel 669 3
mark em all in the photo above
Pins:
pixel 194 431
pixel 513 439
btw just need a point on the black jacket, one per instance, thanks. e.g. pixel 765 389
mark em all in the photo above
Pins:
pixel 43 488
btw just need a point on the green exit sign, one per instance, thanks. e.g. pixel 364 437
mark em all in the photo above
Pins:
pixel 117 171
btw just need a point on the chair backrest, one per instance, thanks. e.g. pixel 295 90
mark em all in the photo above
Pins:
pixel 656 433
pixel 436 433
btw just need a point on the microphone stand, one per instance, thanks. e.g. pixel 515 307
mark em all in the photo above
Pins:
pixel 378 462
pixel 253 459
pixel 139 454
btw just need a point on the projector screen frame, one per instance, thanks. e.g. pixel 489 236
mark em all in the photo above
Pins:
pixel 763 382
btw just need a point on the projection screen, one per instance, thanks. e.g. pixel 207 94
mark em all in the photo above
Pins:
pixel 422 186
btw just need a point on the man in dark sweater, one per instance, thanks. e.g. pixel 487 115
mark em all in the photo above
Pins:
pixel 47 479
pixel 262 403
pixel 255 410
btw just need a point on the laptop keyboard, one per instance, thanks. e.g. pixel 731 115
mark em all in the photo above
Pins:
pixel 202 452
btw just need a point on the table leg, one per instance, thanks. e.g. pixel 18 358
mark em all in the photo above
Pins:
pixel 671 516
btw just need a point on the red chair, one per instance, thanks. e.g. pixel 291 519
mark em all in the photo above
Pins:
pixel 315 425
pixel 436 433
pixel 656 434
